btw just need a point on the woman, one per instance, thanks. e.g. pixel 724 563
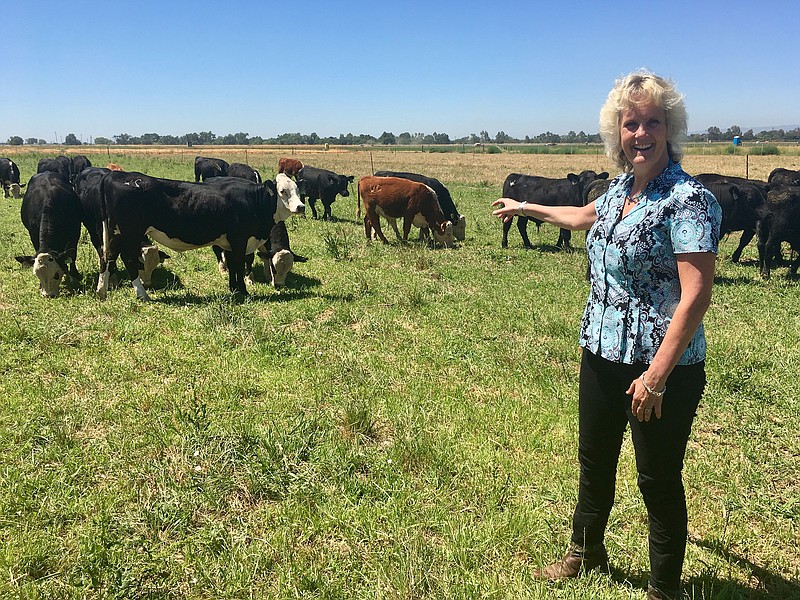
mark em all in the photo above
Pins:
pixel 652 242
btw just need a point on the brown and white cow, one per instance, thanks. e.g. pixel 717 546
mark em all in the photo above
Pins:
pixel 290 166
pixel 394 197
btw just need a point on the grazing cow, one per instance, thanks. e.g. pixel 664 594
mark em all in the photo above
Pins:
pixel 232 213
pixel 244 171
pixel 551 192
pixel 9 178
pixel 114 167
pixel 742 202
pixel 784 177
pixel 51 212
pixel 87 186
pixel 207 168
pixel 442 195
pixel 320 184
pixel 780 223
pixel 290 166
pixel 55 165
pixel 394 197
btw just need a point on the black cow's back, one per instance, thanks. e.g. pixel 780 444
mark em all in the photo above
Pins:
pixel 51 213
pixel 442 193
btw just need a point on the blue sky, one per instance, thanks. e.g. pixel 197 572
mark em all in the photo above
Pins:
pixel 266 68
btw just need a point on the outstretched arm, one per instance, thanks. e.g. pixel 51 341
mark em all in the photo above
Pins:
pixel 574 218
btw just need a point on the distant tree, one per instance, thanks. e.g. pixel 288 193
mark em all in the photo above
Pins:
pixel 15 140
pixel 122 139
pixel 31 141
pixel 733 131
pixel 71 140
pixel 170 140
pixel 714 134
pixel 387 138
pixel 103 141
pixel 404 138
pixel 148 139
pixel 473 139
pixel 502 138
pixel 485 137
pixel 748 135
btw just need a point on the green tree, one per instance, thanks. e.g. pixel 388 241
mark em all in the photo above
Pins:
pixel 387 138
pixel 103 141
pixel 15 140
pixel 71 140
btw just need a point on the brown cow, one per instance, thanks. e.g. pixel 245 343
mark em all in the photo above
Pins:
pixel 393 197
pixel 290 166
pixel 114 167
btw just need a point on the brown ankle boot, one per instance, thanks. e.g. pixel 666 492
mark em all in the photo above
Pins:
pixel 576 560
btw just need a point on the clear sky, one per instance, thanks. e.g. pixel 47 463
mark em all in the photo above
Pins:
pixel 456 67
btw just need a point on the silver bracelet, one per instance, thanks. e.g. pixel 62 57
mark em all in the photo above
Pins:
pixel 650 390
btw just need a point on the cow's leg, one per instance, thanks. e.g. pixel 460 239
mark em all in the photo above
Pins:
pixel 312 202
pixel 564 237
pixel 221 266
pixel 375 221
pixel 393 223
pixel 248 267
pixel 326 211
pixel 235 260
pixel 408 221
pixel 506 228
pixel 747 235
pixel 522 226
pixel 130 257
pixel 795 263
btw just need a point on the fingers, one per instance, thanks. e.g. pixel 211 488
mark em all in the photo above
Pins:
pixel 643 405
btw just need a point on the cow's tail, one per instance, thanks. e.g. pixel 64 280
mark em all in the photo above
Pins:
pixel 105 253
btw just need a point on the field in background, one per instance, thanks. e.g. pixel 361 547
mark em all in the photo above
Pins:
pixel 399 422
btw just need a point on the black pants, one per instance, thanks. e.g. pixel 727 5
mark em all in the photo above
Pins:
pixel 660 446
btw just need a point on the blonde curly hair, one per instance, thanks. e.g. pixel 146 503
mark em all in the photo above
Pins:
pixel 633 89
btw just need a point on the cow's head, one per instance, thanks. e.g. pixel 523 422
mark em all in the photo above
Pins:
pixel 151 257
pixel 49 268
pixel 15 190
pixel 443 234
pixel 343 183
pixel 289 202
pixel 460 228
pixel 279 267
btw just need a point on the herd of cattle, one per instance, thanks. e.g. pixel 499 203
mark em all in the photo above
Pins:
pixel 230 207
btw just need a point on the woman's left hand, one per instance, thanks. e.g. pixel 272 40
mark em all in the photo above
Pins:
pixel 643 403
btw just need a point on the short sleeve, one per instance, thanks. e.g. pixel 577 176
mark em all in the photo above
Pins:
pixel 695 224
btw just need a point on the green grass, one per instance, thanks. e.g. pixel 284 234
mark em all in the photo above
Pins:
pixel 399 422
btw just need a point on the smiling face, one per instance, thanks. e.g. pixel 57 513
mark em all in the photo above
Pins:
pixel 643 135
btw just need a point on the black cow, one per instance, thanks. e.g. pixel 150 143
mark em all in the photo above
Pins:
pixel 61 165
pixel 232 213
pixel 551 192
pixel 87 186
pixel 77 164
pixel 742 202
pixel 320 184
pixel 9 178
pixel 442 195
pixel 780 223
pixel 207 168
pixel 244 172
pixel 784 177
pixel 51 212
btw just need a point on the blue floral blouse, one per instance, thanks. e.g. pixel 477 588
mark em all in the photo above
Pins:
pixel 634 272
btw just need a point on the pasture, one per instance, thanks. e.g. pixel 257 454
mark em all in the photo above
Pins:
pixel 398 422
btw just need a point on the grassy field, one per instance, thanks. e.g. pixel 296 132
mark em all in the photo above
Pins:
pixel 399 422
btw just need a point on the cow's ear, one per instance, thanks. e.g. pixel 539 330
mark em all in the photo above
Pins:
pixel 271 187
pixel 734 192
pixel 350 178
pixel 26 261
pixel 163 255
pixel 573 178
pixel 603 175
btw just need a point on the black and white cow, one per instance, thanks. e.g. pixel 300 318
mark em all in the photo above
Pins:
pixel 233 213
pixel 207 168
pixel 780 223
pixel 551 192
pixel 87 186
pixel 324 185
pixel 51 212
pixel 442 195
pixel 9 178
pixel 60 164
pixel 742 202
pixel 244 171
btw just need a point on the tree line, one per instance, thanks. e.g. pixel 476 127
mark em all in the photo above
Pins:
pixel 205 138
